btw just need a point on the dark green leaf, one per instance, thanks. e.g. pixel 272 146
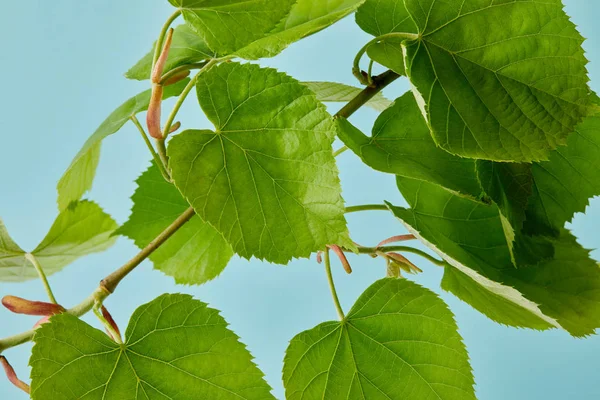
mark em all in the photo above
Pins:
pixel 267 179
pixel 176 348
pixel 195 254
pixel 81 229
pixel 398 342
pixel 187 48
pixel 78 178
pixel 401 144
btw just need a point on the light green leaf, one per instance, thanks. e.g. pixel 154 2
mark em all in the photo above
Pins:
pixel 229 25
pixel 338 92
pixel 509 185
pixel 381 17
pixel 564 291
pixel 176 348
pixel 267 179
pixel 78 178
pixel 500 80
pixel 398 342
pixel 195 254
pixel 564 184
pixel 81 229
pixel 187 48
pixel 306 18
pixel 401 144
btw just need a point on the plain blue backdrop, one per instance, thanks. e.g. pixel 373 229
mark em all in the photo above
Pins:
pixel 61 73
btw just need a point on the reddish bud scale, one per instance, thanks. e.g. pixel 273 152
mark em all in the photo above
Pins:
pixel 340 253
pixel 162 59
pixel 12 376
pixel 403 260
pixel 41 322
pixel 175 127
pixel 111 321
pixel 27 307
pixel 176 78
pixel 154 112
pixel 395 239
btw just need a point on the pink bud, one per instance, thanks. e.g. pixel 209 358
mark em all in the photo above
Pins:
pixel 111 321
pixel 162 59
pixel 403 260
pixel 320 257
pixel 340 253
pixel 154 112
pixel 394 239
pixel 175 127
pixel 27 307
pixel 42 321
pixel 12 376
pixel 178 77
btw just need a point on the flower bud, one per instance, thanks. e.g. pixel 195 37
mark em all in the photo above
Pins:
pixel 27 307
pixel 12 375
pixel 178 77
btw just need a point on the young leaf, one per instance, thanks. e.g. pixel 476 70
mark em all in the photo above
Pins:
pixel 563 184
pixel 502 81
pixel 338 92
pixel 176 347
pixel 380 17
pixel 78 178
pixel 186 48
pixel 81 229
pixel 401 144
pixel 195 254
pixel 305 18
pixel 267 179
pixel 398 342
pixel 469 235
pixel 229 25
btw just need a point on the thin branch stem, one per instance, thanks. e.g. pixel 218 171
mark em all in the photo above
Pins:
pixel 340 151
pixel 109 284
pixel 157 160
pixel 191 85
pixel 379 83
pixel 161 37
pixel 336 300
pixel 367 207
pixel 31 258
pixel 407 249
pixel 162 153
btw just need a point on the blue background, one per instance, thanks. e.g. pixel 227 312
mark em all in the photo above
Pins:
pixel 61 67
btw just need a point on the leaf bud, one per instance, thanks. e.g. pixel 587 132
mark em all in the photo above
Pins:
pixel 12 375
pixel 28 307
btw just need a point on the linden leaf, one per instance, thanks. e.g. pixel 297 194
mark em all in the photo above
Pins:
pixel 176 348
pixel 470 236
pixel 186 48
pixel 399 342
pixel 267 179
pixel 229 25
pixel 338 92
pixel 81 229
pixel 305 18
pixel 195 254
pixel 401 144
pixel 79 176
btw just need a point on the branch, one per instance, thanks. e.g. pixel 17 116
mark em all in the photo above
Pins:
pixel 109 284
pixel 379 82
pixel 387 249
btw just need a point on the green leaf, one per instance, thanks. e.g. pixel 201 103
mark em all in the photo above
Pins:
pixel 195 254
pixel 469 235
pixel 81 229
pixel 381 17
pixel 484 299
pixel 229 25
pixel 267 179
pixel 338 92
pixel 305 18
pixel 79 176
pixel 187 48
pixel 563 184
pixel 176 348
pixel 509 185
pixel 500 80
pixel 398 342
pixel 401 144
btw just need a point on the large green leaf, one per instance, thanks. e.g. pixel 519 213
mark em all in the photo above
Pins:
pixel 81 229
pixel 399 342
pixel 401 144
pixel 499 80
pixel 381 17
pixel 186 48
pixel 176 348
pixel 305 18
pixel 469 235
pixel 196 253
pixel 267 178
pixel 79 176
pixel 229 25
pixel 564 184
pixel 338 92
